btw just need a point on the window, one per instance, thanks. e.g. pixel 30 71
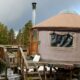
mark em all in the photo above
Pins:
pixel 61 40
pixel 11 59
pixel 35 33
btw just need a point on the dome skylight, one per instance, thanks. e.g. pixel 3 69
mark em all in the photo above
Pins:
pixel 69 12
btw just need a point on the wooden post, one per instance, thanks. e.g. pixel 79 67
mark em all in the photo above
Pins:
pixel 50 71
pixel 71 74
pixel 6 73
pixel 26 73
pixel 45 73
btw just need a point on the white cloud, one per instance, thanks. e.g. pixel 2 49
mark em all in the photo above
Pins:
pixel 14 13
pixel 11 10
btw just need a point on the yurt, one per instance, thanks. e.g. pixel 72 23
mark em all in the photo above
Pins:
pixel 58 38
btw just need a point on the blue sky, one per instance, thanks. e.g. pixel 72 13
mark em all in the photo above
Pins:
pixel 15 13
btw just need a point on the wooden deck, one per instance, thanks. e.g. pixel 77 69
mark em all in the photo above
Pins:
pixel 66 68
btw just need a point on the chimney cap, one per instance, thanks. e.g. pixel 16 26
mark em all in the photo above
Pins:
pixel 34 5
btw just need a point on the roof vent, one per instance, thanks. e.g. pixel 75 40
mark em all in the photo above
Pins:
pixel 33 12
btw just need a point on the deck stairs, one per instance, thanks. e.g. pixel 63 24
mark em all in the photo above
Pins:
pixel 30 75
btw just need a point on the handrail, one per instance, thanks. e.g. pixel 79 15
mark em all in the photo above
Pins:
pixel 3 59
pixel 3 52
pixel 23 56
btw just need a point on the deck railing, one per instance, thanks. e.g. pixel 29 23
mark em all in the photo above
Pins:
pixel 4 60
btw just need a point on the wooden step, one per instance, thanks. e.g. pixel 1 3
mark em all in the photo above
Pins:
pixel 2 78
pixel 33 73
pixel 35 78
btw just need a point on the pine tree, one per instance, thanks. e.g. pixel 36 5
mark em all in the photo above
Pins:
pixel 11 36
pixel 26 33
